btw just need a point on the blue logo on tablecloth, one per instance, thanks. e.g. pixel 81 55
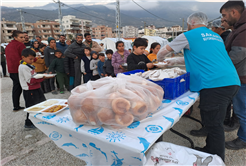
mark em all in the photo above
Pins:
pixel 145 144
pixel 180 102
pixel 114 136
pixel 96 131
pixel 94 146
pixel 83 155
pixel 192 98
pixel 70 135
pixel 63 119
pixel 117 161
pixel 180 110
pixel 49 117
pixel 42 122
pixel 70 144
pixel 166 101
pixel 154 129
pixel 77 128
pixel 84 145
pixel 137 158
pixel 170 120
pixel 35 116
pixel 160 108
pixel 55 136
pixel 134 125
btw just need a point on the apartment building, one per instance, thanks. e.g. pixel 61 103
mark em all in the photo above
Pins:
pixel 28 28
pixel 73 25
pixel 101 32
pixel 46 29
pixel 129 32
pixel 7 27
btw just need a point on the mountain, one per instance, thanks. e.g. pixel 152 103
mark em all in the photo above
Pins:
pixel 169 13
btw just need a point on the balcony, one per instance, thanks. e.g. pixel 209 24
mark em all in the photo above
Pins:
pixel 88 25
pixel 75 23
pixel 75 28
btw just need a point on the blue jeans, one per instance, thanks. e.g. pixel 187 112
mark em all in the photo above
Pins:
pixel 239 107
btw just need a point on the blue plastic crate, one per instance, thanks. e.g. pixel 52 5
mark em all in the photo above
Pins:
pixel 133 72
pixel 173 87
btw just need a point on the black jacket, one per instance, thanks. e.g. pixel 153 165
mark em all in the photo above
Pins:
pixel 224 35
pixel 108 68
pixel 49 55
pixel 75 50
pixel 135 62
pixel 69 66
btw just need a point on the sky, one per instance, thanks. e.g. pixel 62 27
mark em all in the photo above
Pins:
pixel 32 3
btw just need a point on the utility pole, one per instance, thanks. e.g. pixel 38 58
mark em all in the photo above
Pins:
pixel 60 17
pixel 22 20
pixel 183 26
pixel 145 28
pixel 118 36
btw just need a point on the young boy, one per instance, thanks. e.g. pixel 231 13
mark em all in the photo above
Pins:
pixel 100 64
pixel 57 65
pixel 85 65
pixel 108 68
pixel 93 66
pixel 31 86
pixel 137 59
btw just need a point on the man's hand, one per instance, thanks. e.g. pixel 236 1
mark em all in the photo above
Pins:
pixel 150 65
pixel 106 75
pixel 102 74
pixel 85 73
pixel 76 57
pixel 50 72
pixel 121 67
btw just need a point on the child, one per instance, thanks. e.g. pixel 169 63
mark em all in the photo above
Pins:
pixel 100 64
pixel 85 65
pixel 108 68
pixel 93 66
pixel 154 49
pixel 31 86
pixel 57 65
pixel 137 59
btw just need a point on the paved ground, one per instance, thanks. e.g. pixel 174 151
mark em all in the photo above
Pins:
pixel 32 147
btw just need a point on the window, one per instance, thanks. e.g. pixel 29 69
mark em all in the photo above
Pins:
pixel 39 31
pixel 67 21
pixel 67 26
pixel 2 25
pixel 3 31
pixel 38 26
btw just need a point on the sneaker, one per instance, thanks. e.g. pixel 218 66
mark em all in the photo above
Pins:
pixel 30 126
pixel 61 92
pixel 199 133
pixel 54 92
pixel 236 144
pixel 18 108
pixel 231 126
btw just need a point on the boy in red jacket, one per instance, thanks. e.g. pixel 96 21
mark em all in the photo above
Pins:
pixel 31 86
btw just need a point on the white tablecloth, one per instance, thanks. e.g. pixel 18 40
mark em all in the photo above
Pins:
pixel 105 146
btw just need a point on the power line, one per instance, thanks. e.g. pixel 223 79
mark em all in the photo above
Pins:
pixel 85 12
pixel 35 15
pixel 151 13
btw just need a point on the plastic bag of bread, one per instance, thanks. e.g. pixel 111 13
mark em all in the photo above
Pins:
pixel 114 101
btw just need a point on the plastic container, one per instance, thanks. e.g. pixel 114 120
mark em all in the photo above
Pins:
pixel 173 87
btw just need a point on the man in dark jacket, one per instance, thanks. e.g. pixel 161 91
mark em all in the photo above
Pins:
pixel 76 52
pixel 234 13
pixel 70 71
pixel 61 45
pixel 49 56
pixel 3 61
pixel 217 28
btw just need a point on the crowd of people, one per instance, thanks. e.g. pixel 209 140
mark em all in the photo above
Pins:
pixel 215 59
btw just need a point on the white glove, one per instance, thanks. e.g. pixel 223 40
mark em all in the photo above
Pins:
pixel 173 61
pixel 163 52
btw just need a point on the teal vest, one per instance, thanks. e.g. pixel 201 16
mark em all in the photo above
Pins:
pixel 207 61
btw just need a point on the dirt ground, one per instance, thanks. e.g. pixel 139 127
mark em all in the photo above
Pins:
pixel 21 147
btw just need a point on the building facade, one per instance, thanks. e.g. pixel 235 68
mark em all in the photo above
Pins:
pixel 101 32
pixel 29 28
pixel 73 25
pixel 7 27
pixel 46 29
pixel 129 32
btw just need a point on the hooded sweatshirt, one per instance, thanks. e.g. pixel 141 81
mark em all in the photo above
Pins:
pixel 13 55
pixel 49 55
pixel 236 47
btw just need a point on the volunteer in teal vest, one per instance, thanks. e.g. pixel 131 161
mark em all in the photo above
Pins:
pixel 212 73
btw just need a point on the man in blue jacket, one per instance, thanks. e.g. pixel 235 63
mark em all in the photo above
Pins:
pixel 212 73
pixel 61 45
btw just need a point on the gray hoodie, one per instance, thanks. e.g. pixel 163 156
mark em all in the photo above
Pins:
pixel 93 66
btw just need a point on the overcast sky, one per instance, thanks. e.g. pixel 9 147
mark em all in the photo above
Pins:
pixel 31 3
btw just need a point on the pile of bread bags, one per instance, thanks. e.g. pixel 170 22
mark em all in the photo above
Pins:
pixel 114 101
